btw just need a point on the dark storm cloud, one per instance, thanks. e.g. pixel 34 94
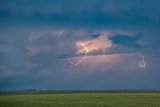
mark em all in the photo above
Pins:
pixel 46 48
pixel 104 13
pixel 35 40
pixel 58 45
pixel 126 40
pixel 95 35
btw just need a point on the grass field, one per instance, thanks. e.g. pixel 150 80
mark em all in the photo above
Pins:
pixel 80 100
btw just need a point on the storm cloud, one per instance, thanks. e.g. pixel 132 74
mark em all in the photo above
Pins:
pixel 38 37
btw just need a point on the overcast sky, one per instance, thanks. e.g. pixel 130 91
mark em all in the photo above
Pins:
pixel 79 44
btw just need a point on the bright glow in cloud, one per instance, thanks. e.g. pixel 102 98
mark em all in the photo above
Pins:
pixel 101 43
pixel 88 46
pixel 86 49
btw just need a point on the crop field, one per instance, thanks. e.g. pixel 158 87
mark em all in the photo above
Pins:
pixel 80 99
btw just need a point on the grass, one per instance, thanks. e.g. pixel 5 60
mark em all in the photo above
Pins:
pixel 79 99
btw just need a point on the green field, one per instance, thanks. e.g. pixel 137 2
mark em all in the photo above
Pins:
pixel 80 100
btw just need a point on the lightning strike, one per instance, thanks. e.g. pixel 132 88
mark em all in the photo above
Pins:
pixel 142 63
pixel 84 50
pixel 76 63
pixel 85 47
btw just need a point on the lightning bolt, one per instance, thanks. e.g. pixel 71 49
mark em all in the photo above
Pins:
pixel 78 62
pixel 85 50
pixel 142 63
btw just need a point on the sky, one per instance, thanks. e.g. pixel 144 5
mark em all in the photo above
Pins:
pixel 79 44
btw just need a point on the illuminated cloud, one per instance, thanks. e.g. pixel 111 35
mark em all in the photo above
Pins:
pixel 101 43
pixel 47 47
pixel 37 39
pixel 89 46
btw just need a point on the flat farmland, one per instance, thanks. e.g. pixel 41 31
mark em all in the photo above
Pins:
pixel 80 99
